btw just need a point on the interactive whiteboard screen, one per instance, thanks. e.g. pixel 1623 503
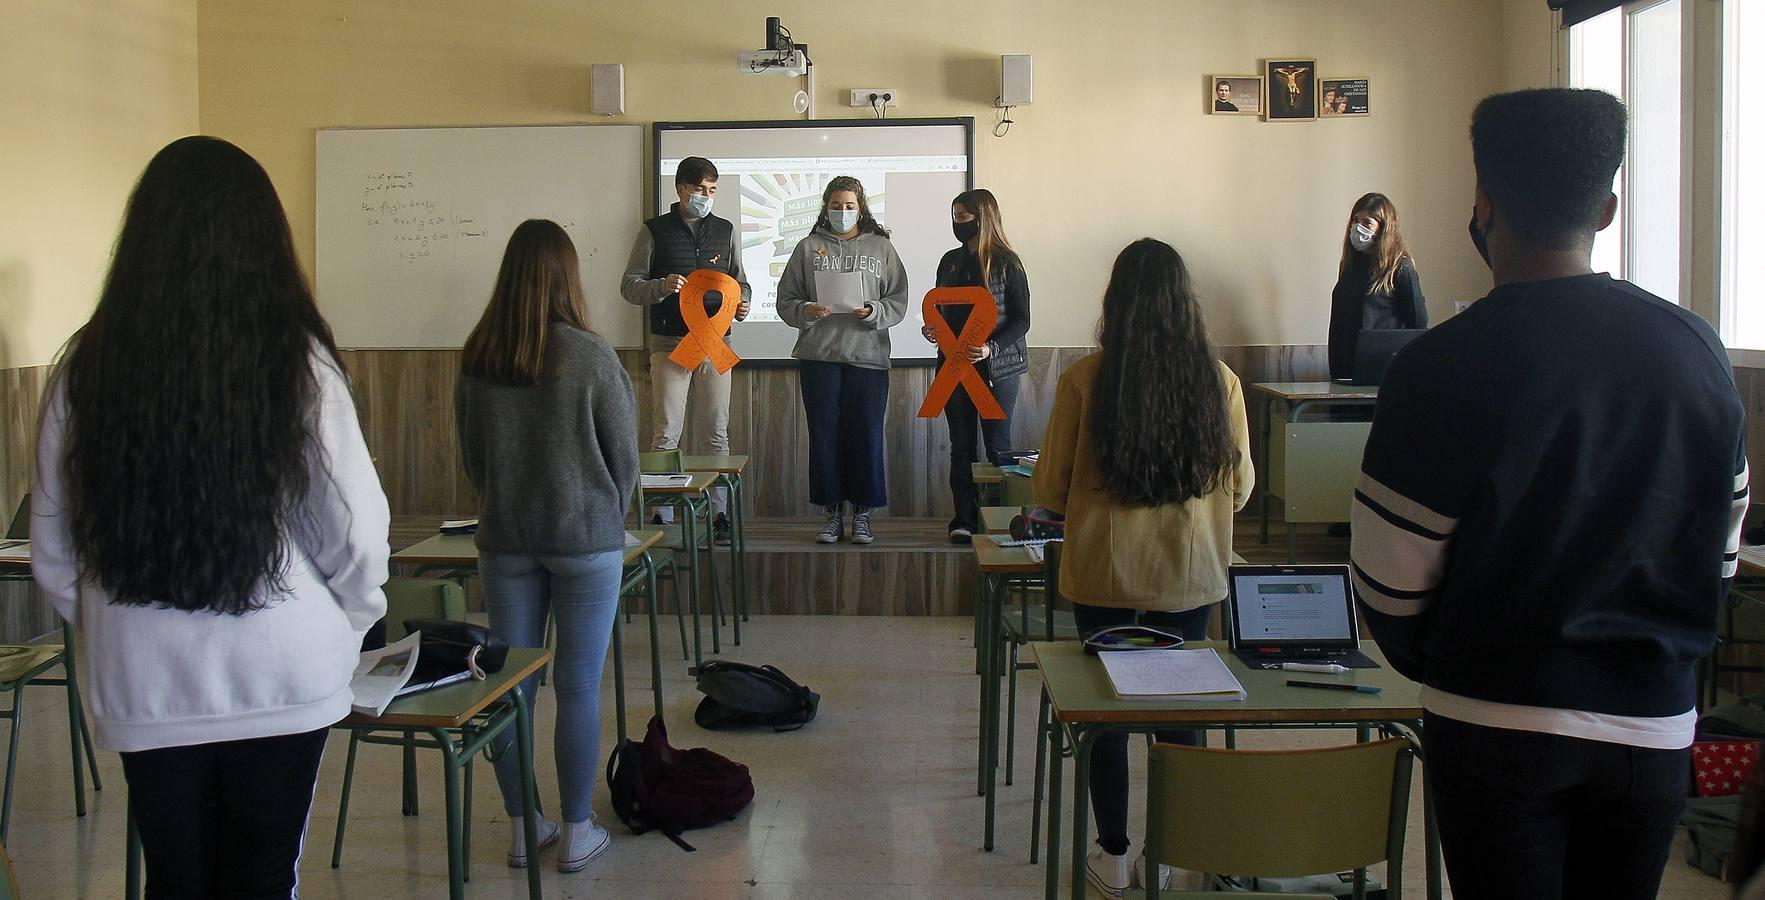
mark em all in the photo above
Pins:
pixel 770 179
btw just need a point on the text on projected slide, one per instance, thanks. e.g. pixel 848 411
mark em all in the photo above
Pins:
pixel 1292 607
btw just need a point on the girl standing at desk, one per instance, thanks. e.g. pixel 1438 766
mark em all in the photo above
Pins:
pixel 206 515
pixel 1148 456
pixel 1002 360
pixel 843 289
pixel 548 434
pixel 1377 286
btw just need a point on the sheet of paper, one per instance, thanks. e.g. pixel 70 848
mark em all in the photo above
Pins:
pixel 631 540
pixel 667 480
pixel 381 673
pixel 842 292
pixel 1171 674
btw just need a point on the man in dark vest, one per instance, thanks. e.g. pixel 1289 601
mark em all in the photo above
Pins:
pixel 670 247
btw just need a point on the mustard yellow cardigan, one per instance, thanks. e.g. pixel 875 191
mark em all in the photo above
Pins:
pixel 1171 557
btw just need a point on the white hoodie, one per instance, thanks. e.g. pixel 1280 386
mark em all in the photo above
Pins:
pixel 157 677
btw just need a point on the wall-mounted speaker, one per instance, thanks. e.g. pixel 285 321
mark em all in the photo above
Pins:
pixel 607 89
pixel 1016 86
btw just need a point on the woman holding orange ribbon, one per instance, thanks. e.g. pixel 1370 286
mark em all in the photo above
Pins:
pixel 843 288
pixel 1002 360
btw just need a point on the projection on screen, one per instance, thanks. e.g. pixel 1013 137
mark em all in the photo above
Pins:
pixel 770 179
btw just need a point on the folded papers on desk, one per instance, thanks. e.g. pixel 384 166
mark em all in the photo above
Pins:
pixel 1171 675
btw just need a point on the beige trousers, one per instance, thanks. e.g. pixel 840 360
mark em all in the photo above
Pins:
pixel 670 388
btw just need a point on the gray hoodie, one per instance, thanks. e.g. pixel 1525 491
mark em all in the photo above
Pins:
pixel 843 337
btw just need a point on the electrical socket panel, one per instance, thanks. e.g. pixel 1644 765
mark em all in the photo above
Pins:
pixel 861 97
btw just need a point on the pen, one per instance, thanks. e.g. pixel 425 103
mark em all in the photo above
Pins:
pixel 1357 688
pixel 1325 668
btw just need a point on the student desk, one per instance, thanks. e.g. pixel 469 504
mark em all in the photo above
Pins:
pixel 457 552
pixel 1085 707
pixel 1311 466
pixel 729 469
pixel 997 519
pixel 692 500
pixel 987 478
pixel 1752 561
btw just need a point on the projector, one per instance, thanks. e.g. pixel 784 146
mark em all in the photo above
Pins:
pixel 789 63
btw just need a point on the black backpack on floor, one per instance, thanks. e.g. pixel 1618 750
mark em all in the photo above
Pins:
pixel 655 786
pixel 739 694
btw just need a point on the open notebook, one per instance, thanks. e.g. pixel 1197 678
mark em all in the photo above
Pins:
pixel 1171 675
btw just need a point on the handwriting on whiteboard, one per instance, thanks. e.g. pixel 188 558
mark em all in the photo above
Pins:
pixel 413 224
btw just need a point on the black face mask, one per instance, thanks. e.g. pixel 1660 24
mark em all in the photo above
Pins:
pixel 966 231
pixel 1479 238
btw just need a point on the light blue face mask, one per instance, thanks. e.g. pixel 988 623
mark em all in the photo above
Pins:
pixel 842 220
pixel 698 205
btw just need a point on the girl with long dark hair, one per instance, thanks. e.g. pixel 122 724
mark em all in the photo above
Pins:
pixel 1377 286
pixel 206 515
pixel 843 289
pixel 1148 455
pixel 548 432
pixel 985 258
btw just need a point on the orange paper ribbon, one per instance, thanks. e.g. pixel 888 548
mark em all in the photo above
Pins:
pixel 957 369
pixel 704 334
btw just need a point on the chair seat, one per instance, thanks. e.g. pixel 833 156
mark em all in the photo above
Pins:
pixel 24 660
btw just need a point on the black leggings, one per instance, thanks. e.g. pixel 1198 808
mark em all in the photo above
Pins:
pixel 1109 756
pixel 224 820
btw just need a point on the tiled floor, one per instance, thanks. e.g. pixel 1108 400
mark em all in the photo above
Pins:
pixel 875 799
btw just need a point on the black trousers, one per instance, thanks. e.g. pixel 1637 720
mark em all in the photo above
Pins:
pixel 1526 815
pixel 1109 755
pixel 967 429
pixel 224 820
pixel 844 406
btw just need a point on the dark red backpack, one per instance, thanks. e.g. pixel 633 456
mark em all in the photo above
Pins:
pixel 654 786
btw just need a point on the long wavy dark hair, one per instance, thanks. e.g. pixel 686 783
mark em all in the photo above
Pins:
pixel 867 223
pixel 1158 413
pixel 190 392
pixel 539 282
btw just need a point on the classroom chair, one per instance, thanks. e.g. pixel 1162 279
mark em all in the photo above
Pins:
pixel 1334 808
pixel 79 734
pixel 406 598
pixel 1053 621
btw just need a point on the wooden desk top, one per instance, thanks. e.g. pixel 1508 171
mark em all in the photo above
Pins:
pixel 986 473
pixel 701 481
pixel 1752 560
pixel 454 705
pixel 1317 390
pixel 1080 691
pixel 997 519
pixel 996 560
pixel 459 550
pixel 724 463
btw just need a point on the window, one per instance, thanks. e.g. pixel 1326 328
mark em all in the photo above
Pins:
pixel 1635 53
pixel 1743 191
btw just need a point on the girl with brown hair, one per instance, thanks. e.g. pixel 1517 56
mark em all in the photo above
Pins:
pixel 1376 283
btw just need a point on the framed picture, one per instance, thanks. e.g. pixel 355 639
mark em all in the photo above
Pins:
pixel 1234 95
pixel 1339 98
pixel 1292 89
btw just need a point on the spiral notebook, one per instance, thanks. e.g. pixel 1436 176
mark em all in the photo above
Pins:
pixel 1171 675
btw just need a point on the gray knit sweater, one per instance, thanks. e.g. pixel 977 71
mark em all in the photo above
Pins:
pixel 555 464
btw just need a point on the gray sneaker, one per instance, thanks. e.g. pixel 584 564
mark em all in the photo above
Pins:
pixel 861 526
pixel 835 527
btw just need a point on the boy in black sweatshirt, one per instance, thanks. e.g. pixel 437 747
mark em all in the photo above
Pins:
pixel 1546 523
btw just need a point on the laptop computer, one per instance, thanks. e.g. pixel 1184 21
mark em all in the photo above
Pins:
pixel 1374 350
pixel 1294 614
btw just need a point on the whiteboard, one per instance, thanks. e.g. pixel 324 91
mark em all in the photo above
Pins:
pixel 412 223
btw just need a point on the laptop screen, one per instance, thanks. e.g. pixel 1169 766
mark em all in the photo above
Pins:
pixel 1294 606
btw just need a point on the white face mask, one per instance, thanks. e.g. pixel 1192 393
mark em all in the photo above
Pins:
pixel 698 205
pixel 842 220
pixel 1360 237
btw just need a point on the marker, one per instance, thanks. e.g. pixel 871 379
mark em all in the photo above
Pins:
pixel 1322 668
pixel 1356 688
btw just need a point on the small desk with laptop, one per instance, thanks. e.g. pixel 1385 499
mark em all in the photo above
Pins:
pixel 1278 615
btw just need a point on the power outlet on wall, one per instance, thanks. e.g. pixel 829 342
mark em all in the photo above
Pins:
pixel 885 97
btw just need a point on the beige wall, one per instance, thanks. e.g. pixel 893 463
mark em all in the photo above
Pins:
pixel 1529 44
pixel 91 89
pixel 1115 147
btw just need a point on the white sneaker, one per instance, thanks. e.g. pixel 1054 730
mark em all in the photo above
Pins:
pixel 1139 873
pixel 583 841
pixel 1107 872
pixel 548 835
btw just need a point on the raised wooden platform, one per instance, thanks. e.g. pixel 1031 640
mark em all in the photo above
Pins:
pixel 911 570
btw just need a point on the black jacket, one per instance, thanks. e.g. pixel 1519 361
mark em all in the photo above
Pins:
pixel 1010 288
pixel 1355 306
pixel 680 250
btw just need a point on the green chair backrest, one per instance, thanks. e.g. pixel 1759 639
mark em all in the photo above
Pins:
pixel 21 523
pixel 657 461
pixel 1014 490
pixel 1279 813
pixel 421 598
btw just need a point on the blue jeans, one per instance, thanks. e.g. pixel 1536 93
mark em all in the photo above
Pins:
pixel 582 592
